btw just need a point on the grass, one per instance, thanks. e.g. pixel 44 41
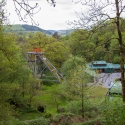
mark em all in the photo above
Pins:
pixel 97 95
pixel 98 91
pixel 46 98
pixel 29 116
pixel 18 27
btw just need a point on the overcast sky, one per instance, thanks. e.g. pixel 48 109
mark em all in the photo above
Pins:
pixel 49 17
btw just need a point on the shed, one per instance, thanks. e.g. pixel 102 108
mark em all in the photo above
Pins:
pixel 109 68
pixel 102 65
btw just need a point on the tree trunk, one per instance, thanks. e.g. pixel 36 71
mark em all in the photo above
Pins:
pixel 23 89
pixel 121 48
pixel 57 105
pixel 82 102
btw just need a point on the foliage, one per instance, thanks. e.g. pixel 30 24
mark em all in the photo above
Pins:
pixel 99 15
pixel 93 121
pixel 16 27
pixel 78 80
pixel 13 70
pixel 56 36
pixel 63 119
pixel 76 85
pixel 31 88
pixel 71 63
pixel 106 42
pixel 39 121
pixel 12 63
pixel 74 107
pixel 101 45
pixel 79 44
pixel 55 51
pixel 113 111
pixel 6 110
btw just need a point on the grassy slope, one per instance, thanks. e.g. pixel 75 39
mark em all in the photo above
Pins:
pixel 18 27
pixel 96 96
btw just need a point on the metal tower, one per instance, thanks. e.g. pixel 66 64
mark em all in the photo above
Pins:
pixel 40 66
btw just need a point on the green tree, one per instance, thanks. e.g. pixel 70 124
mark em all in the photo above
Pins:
pixel 77 84
pixel 11 61
pixel 32 88
pixel 13 65
pixel 98 11
pixel 56 35
pixel 79 44
pixel 6 110
pixel 13 70
pixel 71 63
pixel 54 50
pixel 106 42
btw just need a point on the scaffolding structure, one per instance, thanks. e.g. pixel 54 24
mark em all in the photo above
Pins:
pixel 40 66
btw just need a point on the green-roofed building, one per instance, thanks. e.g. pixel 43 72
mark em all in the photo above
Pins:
pixel 103 66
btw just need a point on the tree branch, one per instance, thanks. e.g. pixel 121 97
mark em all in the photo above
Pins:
pixel 29 10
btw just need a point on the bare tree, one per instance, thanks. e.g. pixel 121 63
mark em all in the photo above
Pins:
pixel 29 10
pixel 3 12
pixel 100 11
pixel 22 6
pixel 52 2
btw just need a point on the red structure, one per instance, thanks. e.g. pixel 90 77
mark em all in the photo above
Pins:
pixel 37 50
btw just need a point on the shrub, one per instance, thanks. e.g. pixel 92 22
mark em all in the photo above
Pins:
pixel 114 112
pixel 62 119
pixel 18 102
pixel 39 121
pixel 75 107
pixel 95 121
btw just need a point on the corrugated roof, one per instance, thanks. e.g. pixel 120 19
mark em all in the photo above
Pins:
pixel 99 67
pixel 103 65
pixel 109 65
pixel 116 66
pixel 99 62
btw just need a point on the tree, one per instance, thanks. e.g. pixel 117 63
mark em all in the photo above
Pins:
pixel 12 69
pixel 79 42
pixel 21 6
pixel 32 88
pixel 56 97
pixel 6 110
pixel 106 47
pixel 103 11
pixel 76 85
pixel 71 63
pixel 3 18
pixel 12 65
pixel 56 35
pixel 29 10
pixel 54 50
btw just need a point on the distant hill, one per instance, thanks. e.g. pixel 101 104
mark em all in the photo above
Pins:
pixel 30 28
pixel 65 32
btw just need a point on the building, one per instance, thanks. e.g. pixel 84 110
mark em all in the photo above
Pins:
pixel 104 67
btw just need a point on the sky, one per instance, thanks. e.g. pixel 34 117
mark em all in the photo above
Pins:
pixel 49 17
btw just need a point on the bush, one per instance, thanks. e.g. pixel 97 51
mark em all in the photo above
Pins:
pixel 39 121
pixel 62 119
pixel 114 112
pixel 75 107
pixel 11 121
pixel 18 102
pixel 95 121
